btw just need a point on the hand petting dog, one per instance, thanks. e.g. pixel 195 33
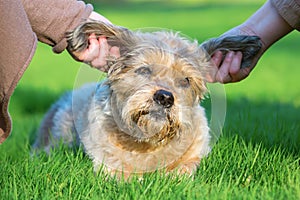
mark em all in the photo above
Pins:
pixel 98 50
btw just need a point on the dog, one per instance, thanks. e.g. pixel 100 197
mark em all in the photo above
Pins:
pixel 146 116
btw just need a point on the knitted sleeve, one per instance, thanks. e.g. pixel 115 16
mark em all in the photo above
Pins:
pixel 50 19
pixel 289 10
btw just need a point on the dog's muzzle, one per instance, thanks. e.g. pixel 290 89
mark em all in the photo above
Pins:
pixel 164 98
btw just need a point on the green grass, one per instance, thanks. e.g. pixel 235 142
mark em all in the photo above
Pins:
pixel 256 157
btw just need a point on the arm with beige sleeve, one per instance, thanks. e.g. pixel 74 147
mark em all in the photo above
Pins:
pixel 22 22
pixel 51 19
pixel 271 22
pixel 276 19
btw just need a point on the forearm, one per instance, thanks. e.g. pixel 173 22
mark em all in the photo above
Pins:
pixel 271 22
pixel 268 24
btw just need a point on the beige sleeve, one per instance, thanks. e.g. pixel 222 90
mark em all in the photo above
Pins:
pixel 50 19
pixel 289 10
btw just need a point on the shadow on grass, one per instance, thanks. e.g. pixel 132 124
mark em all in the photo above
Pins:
pixel 30 100
pixel 271 124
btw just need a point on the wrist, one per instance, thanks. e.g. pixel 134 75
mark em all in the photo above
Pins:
pixel 268 24
pixel 96 16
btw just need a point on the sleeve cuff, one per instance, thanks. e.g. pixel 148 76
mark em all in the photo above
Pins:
pixel 62 44
pixel 289 10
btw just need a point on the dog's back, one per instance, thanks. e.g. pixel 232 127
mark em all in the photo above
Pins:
pixel 58 125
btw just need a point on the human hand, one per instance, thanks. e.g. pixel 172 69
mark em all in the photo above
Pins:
pixel 228 67
pixel 268 25
pixel 97 52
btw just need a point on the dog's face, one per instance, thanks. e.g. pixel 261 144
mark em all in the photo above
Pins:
pixel 156 87
pixel 156 83
pixel 159 79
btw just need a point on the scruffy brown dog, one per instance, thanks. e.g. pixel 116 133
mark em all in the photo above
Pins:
pixel 146 115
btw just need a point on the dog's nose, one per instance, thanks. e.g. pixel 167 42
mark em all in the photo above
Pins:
pixel 164 98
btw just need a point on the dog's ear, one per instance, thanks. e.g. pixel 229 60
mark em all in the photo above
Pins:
pixel 116 35
pixel 248 45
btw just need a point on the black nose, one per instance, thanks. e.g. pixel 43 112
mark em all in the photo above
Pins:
pixel 164 98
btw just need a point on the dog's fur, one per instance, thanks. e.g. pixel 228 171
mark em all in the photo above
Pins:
pixel 146 115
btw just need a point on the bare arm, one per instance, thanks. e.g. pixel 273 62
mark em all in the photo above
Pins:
pixel 266 23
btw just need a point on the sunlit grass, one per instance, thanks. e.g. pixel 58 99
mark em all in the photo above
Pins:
pixel 257 157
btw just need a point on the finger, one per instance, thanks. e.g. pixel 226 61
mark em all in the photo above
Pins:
pixel 235 70
pixel 92 36
pixel 100 60
pixel 236 63
pixel 92 51
pixel 223 75
pixel 217 58
pixel 242 74
pixel 115 51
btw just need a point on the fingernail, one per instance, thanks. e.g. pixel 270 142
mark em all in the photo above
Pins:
pixel 219 54
pixel 239 53
pixel 230 54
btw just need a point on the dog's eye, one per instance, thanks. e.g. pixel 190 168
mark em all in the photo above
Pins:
pixel 184 82
pixel 143 71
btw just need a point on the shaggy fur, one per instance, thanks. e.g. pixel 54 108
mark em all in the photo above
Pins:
pixel 146 115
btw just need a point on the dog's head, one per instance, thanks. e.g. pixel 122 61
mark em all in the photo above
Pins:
pixel 157 82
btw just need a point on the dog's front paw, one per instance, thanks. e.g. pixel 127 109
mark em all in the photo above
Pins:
pixel 186 168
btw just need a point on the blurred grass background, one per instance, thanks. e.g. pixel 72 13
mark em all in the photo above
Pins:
pixel 263 110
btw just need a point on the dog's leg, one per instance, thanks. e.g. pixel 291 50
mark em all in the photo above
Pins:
pixel 57 126
pixel 44 133
pixel 248 45
pixel 188 167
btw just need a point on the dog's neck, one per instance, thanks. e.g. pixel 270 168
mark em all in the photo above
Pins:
pixel 124 140
pixel 136 135
pixel 128 141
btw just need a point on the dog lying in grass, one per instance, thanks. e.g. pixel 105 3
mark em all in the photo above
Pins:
pixel 146 115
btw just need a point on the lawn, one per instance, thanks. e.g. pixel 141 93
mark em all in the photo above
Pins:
pixel 256 157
